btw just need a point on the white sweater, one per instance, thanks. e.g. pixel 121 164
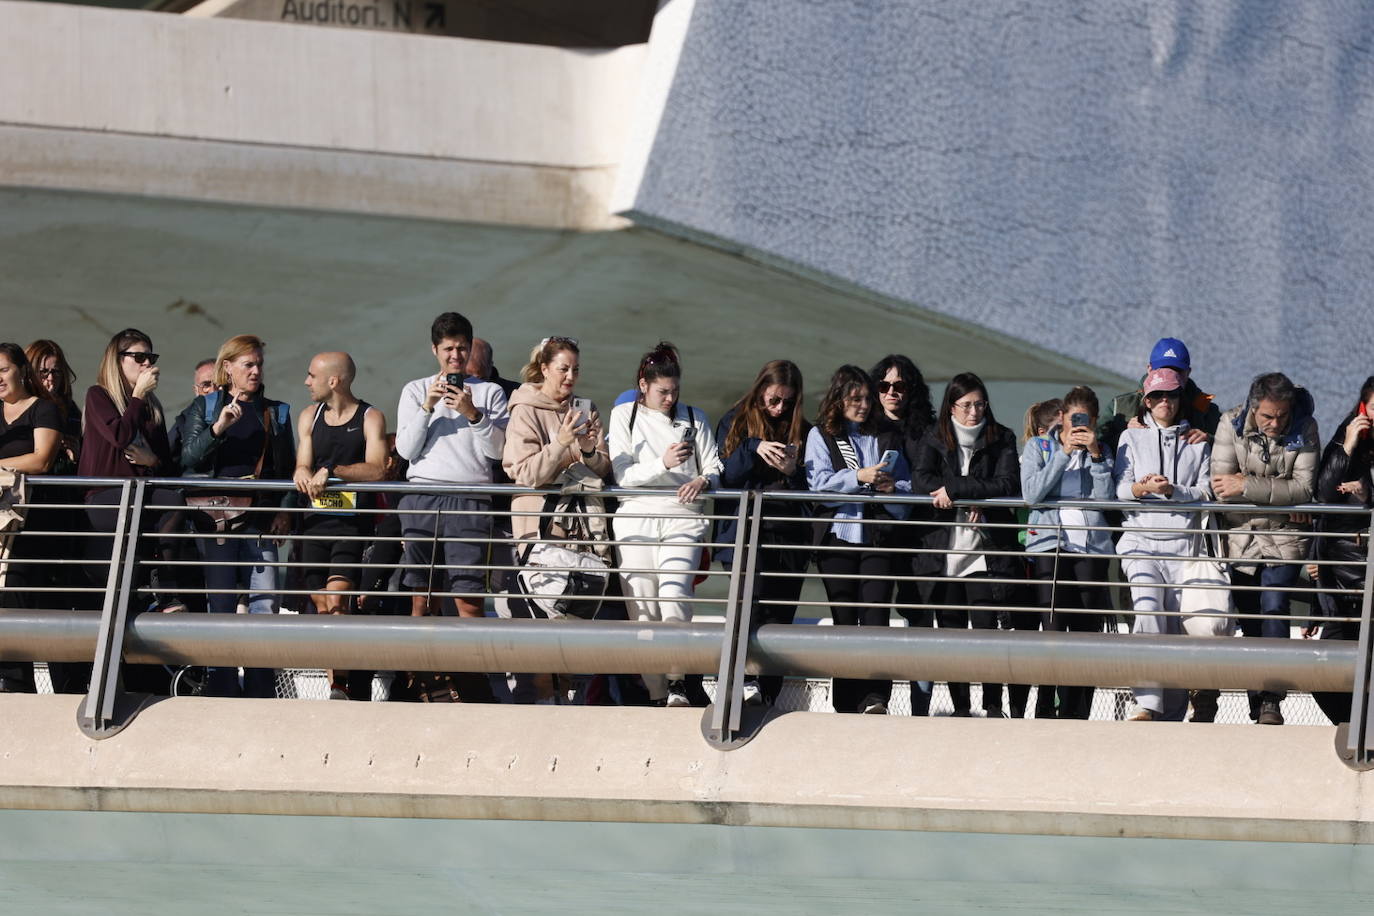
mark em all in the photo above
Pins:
pixel 637 457
pixel 442 446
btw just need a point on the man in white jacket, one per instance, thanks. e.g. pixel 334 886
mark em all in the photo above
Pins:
pixel 450 428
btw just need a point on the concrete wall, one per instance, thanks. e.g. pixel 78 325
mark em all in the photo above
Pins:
pixel 1086 178
pixel 324 118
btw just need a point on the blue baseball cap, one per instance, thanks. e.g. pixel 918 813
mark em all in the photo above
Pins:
pixel 1170 353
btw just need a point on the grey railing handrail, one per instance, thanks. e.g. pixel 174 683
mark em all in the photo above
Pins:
pixel 805 496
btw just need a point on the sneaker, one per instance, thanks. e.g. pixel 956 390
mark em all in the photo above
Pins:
pixel 338 693
pixel 1270 714
pixel 677 694
pixel 873 705
pixel 962 714
pixel 753 696
pixel 1205 705
pixel 1143 715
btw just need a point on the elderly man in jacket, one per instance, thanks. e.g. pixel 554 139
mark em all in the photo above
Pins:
pixel 1267 452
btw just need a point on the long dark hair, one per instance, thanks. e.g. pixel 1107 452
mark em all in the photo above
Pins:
pixel 27 375
pixel 847 379
pixel 962 384
pixel 39 351
pixel 1366 445
pixel 752 420
pixel 917 411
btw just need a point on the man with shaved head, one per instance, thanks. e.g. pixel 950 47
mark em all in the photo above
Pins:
pixel 341 440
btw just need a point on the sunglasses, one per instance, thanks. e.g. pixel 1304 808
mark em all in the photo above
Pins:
pixel 894 387
pixel 561 340
pixel 141 357
pixel 1164 395
pixel 51 373
pixel 776 401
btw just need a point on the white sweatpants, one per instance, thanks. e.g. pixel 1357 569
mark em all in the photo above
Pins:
pixel 658 567
pixel 1152 569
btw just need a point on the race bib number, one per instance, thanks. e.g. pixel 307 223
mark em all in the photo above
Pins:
pixel 342 499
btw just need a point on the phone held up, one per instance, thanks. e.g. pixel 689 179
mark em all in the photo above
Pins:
pixel 454 380
pixel 1080 420
pixel 1364 412
pixel 888 461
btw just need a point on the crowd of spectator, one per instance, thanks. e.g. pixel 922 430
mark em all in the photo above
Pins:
pixel 1160 453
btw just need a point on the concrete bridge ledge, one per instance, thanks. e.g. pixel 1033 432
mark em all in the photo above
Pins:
pixel 651 766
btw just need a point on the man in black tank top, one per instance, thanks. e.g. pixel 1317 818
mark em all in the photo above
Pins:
pixel 341 438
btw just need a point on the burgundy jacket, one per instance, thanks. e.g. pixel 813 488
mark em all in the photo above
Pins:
pixel 108 433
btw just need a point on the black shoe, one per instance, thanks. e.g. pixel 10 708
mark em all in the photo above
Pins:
pixel 873 705
pixel 994 712
pixel 1269 713
pixel 677 695
pixel 963 714
pixel 1018 712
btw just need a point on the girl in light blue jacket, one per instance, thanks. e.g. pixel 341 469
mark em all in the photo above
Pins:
pixel 1067 462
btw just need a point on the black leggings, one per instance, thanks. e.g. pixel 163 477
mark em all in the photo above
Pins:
pixel 847 694
pixel 1082 606
pixel 969 599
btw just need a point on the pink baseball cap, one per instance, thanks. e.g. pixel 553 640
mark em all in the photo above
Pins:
pixel 1162 380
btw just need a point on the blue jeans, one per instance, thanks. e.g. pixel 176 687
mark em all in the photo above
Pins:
pixel 251 574
pixel 1274 605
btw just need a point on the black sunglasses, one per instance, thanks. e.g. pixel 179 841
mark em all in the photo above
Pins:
pixel 895 387
pixel 141 356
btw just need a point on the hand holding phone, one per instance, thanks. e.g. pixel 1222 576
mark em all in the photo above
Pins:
pixel 888 461
pixel 1357 430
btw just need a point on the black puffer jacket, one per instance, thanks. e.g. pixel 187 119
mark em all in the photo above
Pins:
pixel 994 471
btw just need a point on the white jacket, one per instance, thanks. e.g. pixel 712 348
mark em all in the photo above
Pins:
pixel 1156 450
pixel 637 456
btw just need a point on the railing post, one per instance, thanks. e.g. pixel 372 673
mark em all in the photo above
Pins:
pixel 106 710
pixel 1359 740
pixel 723 722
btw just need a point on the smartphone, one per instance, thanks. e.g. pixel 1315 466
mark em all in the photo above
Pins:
pixel 1364 412
pixel 688 434
pixel 1079 420
pixel 454 380
pixel 791 450
pixel 584 407
pixel 888 461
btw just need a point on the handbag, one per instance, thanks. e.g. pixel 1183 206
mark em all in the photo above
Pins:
pixel 14 497
pixel 1205 608
pixel 227 510
pixel 559 578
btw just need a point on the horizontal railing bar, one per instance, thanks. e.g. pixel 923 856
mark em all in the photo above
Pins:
pixel 623 647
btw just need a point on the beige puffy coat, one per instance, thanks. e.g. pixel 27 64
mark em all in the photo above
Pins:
pixel 534 458
pixel 1287 478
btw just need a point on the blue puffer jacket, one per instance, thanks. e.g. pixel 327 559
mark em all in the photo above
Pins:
pixel 1046 475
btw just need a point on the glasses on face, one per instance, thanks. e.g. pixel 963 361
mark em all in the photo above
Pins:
pixel 50 373
pixel 1164 395
pixel 562 340
pixel 895 387
pixel 205 385
pixel 776 401
pixel 970 406
pixel 141 357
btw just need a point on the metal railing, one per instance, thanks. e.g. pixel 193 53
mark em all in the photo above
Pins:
pixel 734 651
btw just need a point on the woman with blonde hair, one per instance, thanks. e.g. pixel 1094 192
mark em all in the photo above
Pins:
pixel 550 429
pixel 125 436
pixel 236 431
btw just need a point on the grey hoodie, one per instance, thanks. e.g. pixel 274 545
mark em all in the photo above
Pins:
pixel 1156 450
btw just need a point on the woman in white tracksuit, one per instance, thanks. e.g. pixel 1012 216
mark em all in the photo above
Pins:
pixel 1162 462
pixel 658 443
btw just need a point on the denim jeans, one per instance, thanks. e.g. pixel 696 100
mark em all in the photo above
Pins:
pixel 259 580
pixel 1274 605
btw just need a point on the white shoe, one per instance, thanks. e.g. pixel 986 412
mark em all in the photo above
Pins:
pixel 677 694
pixel 753 696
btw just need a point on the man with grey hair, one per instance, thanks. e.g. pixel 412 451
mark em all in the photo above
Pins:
pixel 1267 452
pixel 202 383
